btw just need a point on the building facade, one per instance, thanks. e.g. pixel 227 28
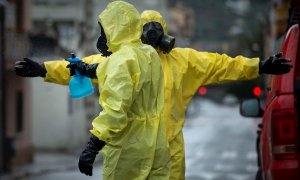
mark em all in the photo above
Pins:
pixel 16 148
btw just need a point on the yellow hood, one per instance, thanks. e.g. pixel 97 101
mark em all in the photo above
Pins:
pixel 150 15
pixel 121 23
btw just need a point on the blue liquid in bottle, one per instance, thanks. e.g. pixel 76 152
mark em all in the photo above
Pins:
pixel 79 85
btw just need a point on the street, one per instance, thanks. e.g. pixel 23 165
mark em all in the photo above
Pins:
pixel 219 145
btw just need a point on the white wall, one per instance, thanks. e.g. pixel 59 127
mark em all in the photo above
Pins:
pixel 53 126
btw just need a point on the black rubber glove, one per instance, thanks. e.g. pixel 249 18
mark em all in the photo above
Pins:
pixel 88 155
pixel 30 68
pixel 84 69
pixel 275 65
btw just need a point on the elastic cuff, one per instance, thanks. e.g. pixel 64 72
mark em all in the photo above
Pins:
pixel 92 70
pixel 259 67
pixel 97 142
pixel 44 71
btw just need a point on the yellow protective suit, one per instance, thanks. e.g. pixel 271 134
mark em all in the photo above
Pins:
pixel 58 73
pixel 185 70
pixel 131 95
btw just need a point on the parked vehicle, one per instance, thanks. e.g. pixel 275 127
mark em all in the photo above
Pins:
pixel 278 136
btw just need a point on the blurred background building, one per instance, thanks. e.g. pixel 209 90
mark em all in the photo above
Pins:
pixel 38 116
pixel 15 126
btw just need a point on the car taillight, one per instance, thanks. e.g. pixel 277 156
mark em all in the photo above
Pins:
pixel 257 91
pixel 202 90
pixel 284 134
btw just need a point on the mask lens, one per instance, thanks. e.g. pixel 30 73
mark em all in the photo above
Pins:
pixel 157 26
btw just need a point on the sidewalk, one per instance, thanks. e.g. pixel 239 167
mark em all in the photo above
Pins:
pixel 46 162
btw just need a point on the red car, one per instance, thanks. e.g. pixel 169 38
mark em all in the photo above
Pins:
pixel 278 137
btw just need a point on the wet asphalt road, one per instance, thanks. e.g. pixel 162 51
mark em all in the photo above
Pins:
pixel 219 145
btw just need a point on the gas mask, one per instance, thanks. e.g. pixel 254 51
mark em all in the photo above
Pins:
pixel 153 34
pixel 102 43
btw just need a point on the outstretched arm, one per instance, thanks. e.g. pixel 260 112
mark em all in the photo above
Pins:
pixel 275 65
pixel 30 68
pixel 57 71
pixel 205 68
pixel 52 71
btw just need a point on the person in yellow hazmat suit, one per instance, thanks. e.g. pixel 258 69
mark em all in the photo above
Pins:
pixel 130 128
pixel 185 69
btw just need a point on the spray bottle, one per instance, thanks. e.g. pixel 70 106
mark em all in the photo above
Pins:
pixel 79 85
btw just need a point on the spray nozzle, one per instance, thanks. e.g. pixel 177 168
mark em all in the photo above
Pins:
pixel 73 58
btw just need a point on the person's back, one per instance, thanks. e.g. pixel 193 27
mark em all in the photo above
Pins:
pixel 131 95
pixel 146 128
